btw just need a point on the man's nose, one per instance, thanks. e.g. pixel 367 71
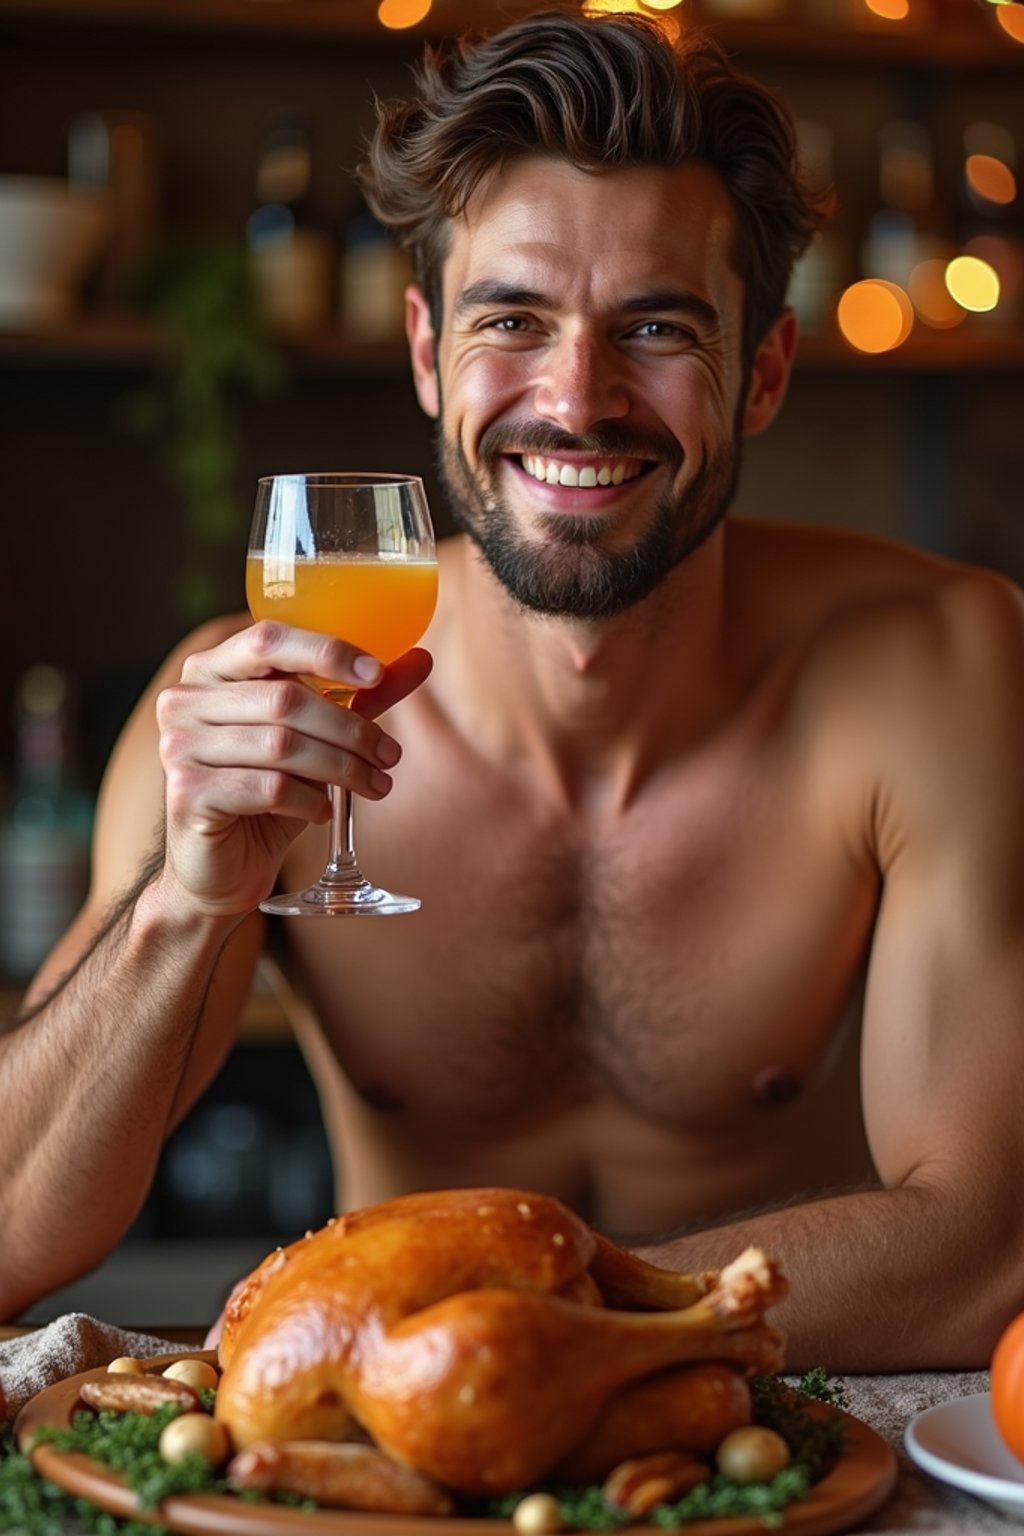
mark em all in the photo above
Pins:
pixel 581 384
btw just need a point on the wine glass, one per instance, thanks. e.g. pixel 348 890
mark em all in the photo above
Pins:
pixel 348 555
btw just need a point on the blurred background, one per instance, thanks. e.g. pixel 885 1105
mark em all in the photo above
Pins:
pixel 192 295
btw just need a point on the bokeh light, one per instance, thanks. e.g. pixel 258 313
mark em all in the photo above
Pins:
pixel 1011 19
pixel 661 5
pixel 611 7
pixel 668 24
pixel 875 316
pixel 990 179
pixel 1006 258
pixel 931 298
pixel 973 283
pixel 889 10
pixel 397 14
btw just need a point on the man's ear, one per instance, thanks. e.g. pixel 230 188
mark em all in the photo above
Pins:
pixel 769 375
pixel 422 349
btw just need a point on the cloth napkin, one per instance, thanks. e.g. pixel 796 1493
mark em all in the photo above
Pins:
pixel 888 1403
pixel 73 1343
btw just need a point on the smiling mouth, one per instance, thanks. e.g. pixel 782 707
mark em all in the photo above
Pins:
pixel 589 474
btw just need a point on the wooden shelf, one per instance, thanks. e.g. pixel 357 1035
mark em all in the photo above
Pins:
pixel 970 40
pixel 958 351
pixel 973 41
pixel 126 341
pixel 99 343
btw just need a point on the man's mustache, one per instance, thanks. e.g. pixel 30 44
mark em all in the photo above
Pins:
pixel 610 443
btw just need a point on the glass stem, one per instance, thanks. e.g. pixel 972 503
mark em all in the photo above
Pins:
pixel 342 871
pixel 342 868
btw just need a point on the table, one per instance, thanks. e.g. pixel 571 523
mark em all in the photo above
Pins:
pixel 887 1403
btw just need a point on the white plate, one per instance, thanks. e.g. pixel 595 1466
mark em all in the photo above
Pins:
pixel 958 1443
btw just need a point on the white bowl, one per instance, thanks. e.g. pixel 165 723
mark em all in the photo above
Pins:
pixel 51 235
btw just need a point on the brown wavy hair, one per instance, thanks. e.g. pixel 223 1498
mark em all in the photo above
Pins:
pixel 600 93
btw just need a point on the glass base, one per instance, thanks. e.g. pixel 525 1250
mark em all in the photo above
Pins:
pixel 322 900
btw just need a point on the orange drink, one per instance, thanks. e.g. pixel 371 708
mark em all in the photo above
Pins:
pixel 383 606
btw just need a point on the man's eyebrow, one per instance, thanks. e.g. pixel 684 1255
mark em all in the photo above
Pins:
pixel 493 291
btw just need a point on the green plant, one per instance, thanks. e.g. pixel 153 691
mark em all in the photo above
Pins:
pixel 215 349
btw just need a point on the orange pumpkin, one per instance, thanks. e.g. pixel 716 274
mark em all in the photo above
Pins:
pixel 1007 1384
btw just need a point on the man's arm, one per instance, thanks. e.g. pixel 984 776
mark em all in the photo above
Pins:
pixel 925 1271
pixel 136 1008
pixel 93 1081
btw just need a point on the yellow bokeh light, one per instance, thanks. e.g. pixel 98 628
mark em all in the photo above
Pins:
pixel 889 10
pixel 931 298
pixel 397 14
pixel 1011 19
pixel 875 316
pixel 990 178
pixel 1006 259
pixel 973 283
pixel 668 24
pixel 661 5
pixel 611 8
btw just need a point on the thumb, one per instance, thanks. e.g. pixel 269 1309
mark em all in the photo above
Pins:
pixel 400 679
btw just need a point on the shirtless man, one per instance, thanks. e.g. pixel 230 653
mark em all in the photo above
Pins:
pixel 680 792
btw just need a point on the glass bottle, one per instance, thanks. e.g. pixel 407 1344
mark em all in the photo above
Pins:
pixel 44 837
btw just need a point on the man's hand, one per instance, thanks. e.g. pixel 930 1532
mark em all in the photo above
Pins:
pixel 249 751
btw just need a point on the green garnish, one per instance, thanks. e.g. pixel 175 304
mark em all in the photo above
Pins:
pixel 127 1443
pixel 814 1440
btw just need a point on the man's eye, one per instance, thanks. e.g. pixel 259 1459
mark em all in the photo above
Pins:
pixel 663 330
pixel 508 323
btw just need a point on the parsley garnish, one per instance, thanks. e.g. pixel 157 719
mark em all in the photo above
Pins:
pixel 814 1439
pixel 127 1442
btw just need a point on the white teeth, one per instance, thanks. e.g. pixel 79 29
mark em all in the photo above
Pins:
pixel 551 472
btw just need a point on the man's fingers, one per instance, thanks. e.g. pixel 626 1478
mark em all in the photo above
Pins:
pixel 267 648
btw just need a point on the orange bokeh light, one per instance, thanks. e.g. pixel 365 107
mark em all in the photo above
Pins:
pixel 889 10
pixel 990 178
pixel 931 298
pixel 397 14
pixel 1011 19
pixel 875 316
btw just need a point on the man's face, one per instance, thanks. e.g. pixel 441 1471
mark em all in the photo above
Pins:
pixel 589 376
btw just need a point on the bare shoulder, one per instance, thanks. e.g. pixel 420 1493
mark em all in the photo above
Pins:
pixel 906 674
pixel 842 592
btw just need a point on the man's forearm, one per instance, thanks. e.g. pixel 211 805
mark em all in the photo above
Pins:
pixel 88 1078
pixel 879 1280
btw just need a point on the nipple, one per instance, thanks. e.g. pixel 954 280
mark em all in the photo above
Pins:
pixel 776 1085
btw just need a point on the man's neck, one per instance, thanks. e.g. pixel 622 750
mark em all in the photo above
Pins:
pixel 595 706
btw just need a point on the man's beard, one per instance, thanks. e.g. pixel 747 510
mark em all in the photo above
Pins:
pixel 569 574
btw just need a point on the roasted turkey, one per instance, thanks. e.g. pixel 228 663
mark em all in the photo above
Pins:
pixel 487 1338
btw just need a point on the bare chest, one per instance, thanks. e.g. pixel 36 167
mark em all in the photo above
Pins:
pixel 681 960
